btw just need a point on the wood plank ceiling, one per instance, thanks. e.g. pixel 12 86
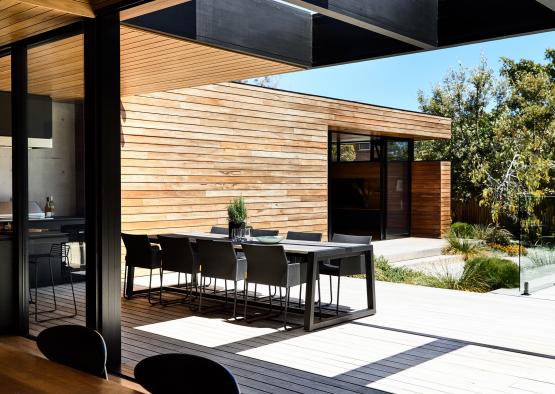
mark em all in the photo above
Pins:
pixel 149 63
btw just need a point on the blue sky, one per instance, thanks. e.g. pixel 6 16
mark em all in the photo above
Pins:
pixel 394 82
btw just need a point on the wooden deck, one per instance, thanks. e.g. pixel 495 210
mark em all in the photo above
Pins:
pixel 422 340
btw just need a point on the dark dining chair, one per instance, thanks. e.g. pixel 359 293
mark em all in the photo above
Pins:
pixel 268 265
pixel 217 259
pixel 219 230
pixel 263 233
pixel 304 236
pixel 141 254
pixel 347 266
pixel 184 373
pixel 75 346
pixel 178 256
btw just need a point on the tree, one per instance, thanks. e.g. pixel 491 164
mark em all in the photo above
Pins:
pixel 465 95
pixel 503 133
pixel 523 163
pixel 265 82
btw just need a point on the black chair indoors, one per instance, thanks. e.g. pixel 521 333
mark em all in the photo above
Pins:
pixel 219 230
pixel 75 266
pixel 268 265
pixel 304 236
pixel 184 373
pixel 178 256
pixel 347 266
pixel 218 260
pixel 75 346
pixel 141 254
pixel 57 252
pixel 263 233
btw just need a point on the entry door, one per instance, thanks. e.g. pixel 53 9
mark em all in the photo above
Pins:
pixel 398 161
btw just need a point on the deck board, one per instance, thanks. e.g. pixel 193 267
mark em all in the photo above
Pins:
pixel 422 340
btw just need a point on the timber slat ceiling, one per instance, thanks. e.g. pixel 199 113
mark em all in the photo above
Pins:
pixel 149 63
pixel 19 20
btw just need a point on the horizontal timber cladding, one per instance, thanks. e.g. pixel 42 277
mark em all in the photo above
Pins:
pixel 431 198
pixel 186 153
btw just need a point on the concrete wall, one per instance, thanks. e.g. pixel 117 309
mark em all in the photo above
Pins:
pixel 51 171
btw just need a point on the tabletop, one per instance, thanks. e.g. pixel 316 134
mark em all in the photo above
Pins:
pixel 290 246
pixel 22 372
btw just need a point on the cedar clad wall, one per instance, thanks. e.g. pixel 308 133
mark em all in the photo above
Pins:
pixel 187 152
pixel 431 198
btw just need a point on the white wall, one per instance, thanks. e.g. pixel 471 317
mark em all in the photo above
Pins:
pixel 51 171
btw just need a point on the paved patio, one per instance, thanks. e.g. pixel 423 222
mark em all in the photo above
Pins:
pixel 422 340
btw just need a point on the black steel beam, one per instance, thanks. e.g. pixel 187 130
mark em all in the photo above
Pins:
pixel 20 188
pixel 466 21
pixel 102 180
pixel 548 3
pixel 412 22
pixel 258 27
pixel 335 42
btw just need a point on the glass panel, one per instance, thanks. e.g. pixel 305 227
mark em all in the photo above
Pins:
pixel 5 184
pixel 355 186
pixel 56 183
pixel 398 190
pixel 537 252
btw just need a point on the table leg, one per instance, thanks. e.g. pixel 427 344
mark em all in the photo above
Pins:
pixel 370 279
pixel 311 272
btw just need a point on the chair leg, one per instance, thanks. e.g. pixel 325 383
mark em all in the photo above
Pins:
pixel 73 292
pixel 149 288
pixel 331 292
pixel 337 305
pixel 225 289
pixel 246 289
pixel 125 282
pixel 270 296
pixel 36 291
pixel 161 286
pixel 280 299
pixel 300 294
pixel 319 298
pixel 201 288
pixel 287 290
pixel 255 289
pixel 234 299
pixel 52 283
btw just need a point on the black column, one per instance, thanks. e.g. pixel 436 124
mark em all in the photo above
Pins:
pixel 102 180
pixel 20 189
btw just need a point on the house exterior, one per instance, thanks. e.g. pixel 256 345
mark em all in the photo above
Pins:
pixel 186 153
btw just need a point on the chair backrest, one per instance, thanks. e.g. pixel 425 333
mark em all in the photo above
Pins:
pixel 177 254
pixel 138 250
pixel 301 236
pixel 219 230
pixel 217 259
pixel 352 239
pixel 263 233
pixel 178 372
pixel 61 252
pixel 266 264
pixel 75 346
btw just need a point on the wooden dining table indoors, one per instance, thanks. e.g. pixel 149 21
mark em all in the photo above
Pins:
pixel 22 372
pixel 313 252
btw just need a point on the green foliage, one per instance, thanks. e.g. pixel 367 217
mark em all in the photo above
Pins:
pixel 386 272
pixel 479 275
pixel 511 250
pixel 498 235
pixel 462 230
pixel 237 211
pixel 348 152
pixel 497 273
pixel 481 231
pixel 464 246
pixel 541 257
pixel 503 133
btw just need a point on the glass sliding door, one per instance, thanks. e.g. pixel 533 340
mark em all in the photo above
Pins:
pixel 398 162
pixel 56 240
pixel 6 194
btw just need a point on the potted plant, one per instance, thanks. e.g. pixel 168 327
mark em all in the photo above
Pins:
pixel 237 214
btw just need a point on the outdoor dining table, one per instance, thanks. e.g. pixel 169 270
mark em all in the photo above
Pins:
pixel 313 253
